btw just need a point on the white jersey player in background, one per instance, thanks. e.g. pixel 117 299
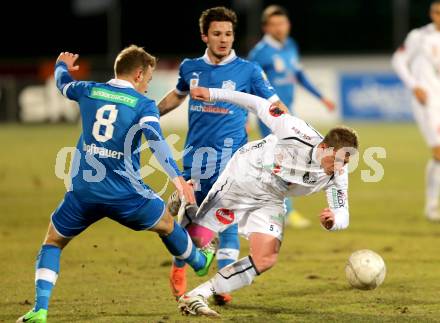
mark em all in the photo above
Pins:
pixel 417 63
pixel 295 160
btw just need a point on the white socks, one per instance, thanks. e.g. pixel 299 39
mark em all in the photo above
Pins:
pixel 234 276
pixel 432 186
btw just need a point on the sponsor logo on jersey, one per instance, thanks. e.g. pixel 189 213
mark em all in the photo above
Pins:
pixel 301 134
pixel 112 96
pixel 193 83
pixel 338 198
pixel 210 109
pixel 225 216
pixel 258 145
pixel 341 198
pixel 278 64
pixel 277 219
pixel 275 111
pixel 228 85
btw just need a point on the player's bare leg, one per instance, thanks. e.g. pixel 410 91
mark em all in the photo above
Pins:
pixel 54 238
pixel 264 253
pixel 433 186
pixel 264 250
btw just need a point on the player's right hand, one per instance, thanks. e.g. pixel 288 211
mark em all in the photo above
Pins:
pixel 200 93
pixel 329 104
pixel 420 95
pixel 186 191
pixel 69 59
pixel 327 218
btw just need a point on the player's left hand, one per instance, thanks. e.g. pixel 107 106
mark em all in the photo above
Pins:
pixel 200 93
pixel 327 218
pixel 329 104
pixel 185 190
pixel 69 59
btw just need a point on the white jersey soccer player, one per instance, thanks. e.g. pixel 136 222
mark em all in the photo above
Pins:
pixel 293 161
pixel 417 63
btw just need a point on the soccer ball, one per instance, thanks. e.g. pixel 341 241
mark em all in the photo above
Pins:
pixel 365 269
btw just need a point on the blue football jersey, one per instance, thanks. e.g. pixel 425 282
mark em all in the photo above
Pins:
pixel 108 113
pixel 280 62
pixel 218 126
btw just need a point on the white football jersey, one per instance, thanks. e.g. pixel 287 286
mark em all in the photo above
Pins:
pixel 284 163
pixel 417 62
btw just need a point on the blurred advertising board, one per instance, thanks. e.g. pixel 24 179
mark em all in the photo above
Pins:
pixel 374 96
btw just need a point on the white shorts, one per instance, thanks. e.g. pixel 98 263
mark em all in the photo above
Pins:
pixel 428 120
pixel 226 204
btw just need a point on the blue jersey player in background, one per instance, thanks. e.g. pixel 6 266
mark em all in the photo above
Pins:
pixel 216 130
pixel 277 53
pixel 107 182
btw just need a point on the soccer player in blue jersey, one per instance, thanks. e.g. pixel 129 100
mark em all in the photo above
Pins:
pixel 216 130
pixel 277 53
pixel 108 182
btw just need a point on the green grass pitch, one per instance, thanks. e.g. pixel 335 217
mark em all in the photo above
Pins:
pixel 112 274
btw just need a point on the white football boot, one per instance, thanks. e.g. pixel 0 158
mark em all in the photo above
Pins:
pixel 195 305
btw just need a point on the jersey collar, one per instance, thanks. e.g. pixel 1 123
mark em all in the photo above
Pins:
pixel 431 27
pixel 273 42
pixel 314 156
pixel 227 60
pixel 120 83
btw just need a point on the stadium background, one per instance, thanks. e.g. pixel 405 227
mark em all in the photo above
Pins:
pixel 112 274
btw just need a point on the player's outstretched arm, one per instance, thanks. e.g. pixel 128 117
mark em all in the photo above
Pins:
pixel 336 216
pixel 65 63
pixel 271 114
pixel 305 82
pixel 170 101
pixel 400 64
pixel 401 60
pixel 250 102
pixel 162 152
pixel 69 59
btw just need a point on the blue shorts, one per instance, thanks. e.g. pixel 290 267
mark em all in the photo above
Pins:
pixel 74 216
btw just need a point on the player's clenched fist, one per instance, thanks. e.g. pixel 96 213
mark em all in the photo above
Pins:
pixel 69 59
pixel 327 218
pixel 200 93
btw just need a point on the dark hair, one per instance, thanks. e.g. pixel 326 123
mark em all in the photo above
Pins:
pixel 131 58
pixel 216 14
pixel 340 137
pixel 273 10
pixel 435 2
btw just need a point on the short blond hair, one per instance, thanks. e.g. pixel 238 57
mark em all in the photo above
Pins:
pixel 272 10
pixel 131 58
